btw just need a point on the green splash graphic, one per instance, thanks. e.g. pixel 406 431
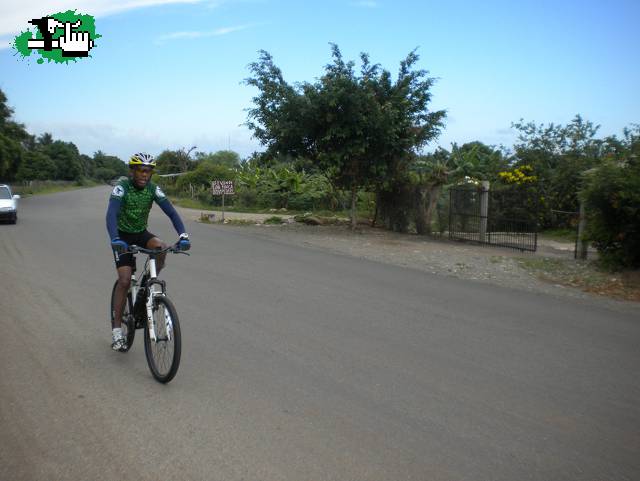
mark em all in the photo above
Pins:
pixel 20 43
pixel 88 25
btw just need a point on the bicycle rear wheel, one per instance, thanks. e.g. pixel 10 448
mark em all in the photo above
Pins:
pixel 128 323
pixel 163 354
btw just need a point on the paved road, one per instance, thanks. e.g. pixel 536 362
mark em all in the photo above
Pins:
pixel 300 364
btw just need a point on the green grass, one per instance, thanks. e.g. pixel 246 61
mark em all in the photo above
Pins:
pixel 566 272
pixel 545 265
pixel 199 205
pixel 559 235
pixel 239 222
pixel 274 220
pixel 204 218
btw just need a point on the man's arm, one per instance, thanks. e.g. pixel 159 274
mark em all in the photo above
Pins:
pixel 112 217
pixel 172 214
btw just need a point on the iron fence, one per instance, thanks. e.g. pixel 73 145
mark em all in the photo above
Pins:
pixel 505 218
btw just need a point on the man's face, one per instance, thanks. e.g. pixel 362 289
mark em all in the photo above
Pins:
pixel 141 175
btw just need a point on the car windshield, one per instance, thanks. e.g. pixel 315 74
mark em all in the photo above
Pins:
pixel 4 193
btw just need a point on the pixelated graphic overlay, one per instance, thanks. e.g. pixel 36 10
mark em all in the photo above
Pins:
pixel 59 37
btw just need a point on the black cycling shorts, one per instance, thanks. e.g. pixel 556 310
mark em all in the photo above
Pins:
pixel 140 239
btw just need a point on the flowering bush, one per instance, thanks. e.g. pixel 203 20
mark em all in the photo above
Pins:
pixel 519 175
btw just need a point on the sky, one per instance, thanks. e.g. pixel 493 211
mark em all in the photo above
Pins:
pixel 168 74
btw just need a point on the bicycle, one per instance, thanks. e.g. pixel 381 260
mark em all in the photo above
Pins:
pixel 154 312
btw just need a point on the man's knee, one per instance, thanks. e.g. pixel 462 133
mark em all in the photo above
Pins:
pixel 124 281
pixel 156 243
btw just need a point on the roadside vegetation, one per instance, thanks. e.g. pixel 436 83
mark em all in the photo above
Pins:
pixel 587 275
pixel 52 186
pixel 354 143
pixel 560 234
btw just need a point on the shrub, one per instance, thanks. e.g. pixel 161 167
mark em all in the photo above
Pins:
pixel 612 200
pixel 274 220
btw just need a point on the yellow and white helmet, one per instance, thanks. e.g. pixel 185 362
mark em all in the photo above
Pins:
pixel 142 159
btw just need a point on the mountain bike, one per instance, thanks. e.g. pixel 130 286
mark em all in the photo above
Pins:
pixel 148 307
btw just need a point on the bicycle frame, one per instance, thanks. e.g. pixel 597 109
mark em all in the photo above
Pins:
pixel 152 283
pixel 152 293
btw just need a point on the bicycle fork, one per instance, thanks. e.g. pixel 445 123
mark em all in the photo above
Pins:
pixel 150 305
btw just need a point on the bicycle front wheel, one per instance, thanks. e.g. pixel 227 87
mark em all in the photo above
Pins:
pixel 163 354
pixel 128 323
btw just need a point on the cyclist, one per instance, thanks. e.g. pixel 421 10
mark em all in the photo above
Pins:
pixel 127 218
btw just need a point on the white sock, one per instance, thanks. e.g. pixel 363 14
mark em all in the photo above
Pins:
pixel 116 332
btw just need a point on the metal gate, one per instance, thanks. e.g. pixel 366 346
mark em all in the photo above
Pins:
pixel 505 217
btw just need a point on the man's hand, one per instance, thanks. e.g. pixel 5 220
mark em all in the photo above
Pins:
pixel 183 242
pixel 75 44
pixel 118 245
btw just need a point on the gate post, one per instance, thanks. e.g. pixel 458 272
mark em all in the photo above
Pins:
pixel 451 191
pixel 484 210
pixel 582 223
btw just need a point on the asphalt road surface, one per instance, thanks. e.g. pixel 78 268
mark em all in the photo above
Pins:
pixel 300 364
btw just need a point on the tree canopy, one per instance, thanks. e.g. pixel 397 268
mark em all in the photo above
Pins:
pixel 25 157
pixel 362 128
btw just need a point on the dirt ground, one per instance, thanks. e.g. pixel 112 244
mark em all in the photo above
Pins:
pixel 551 269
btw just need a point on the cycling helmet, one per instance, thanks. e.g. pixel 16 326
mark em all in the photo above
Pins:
pixel 142 159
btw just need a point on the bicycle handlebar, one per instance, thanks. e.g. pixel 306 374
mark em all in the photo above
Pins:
pixel 134 249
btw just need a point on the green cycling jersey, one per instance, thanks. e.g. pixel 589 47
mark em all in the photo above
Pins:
pixel 136 204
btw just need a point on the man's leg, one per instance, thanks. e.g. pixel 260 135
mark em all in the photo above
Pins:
pixel 120 298
pixel 156 243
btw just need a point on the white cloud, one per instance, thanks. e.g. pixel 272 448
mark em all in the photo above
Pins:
pixel 15 14
pixel 122 141
pixel 5 42
pixel 211 33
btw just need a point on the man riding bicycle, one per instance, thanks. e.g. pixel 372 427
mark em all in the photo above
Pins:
pixel 127 218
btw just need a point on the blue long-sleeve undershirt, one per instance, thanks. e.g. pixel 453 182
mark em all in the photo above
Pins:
pixel 112 218
pixel 114 209
pixel 171 213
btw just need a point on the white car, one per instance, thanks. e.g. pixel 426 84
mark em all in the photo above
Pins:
pixel 8 204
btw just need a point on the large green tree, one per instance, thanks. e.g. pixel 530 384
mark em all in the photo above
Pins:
pixel 14 140
pixel 65 156
pixel 11 154
pixel 361 128
pixel 478 161
pixel 227 158
pixel 559 155
pixel 175 161
pixel 107 167
pixel 36 166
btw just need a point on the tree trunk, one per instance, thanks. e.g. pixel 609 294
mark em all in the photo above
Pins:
pixel 419 197
pixel 426 201
pixel 375 214
pixel 434 195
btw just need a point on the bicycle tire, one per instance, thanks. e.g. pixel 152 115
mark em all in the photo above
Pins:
pixel 128 322
pixel 163 355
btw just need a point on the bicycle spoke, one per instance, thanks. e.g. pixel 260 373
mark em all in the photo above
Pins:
pixel 163 354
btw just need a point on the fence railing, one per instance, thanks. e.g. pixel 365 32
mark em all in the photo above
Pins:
pixel 486 217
